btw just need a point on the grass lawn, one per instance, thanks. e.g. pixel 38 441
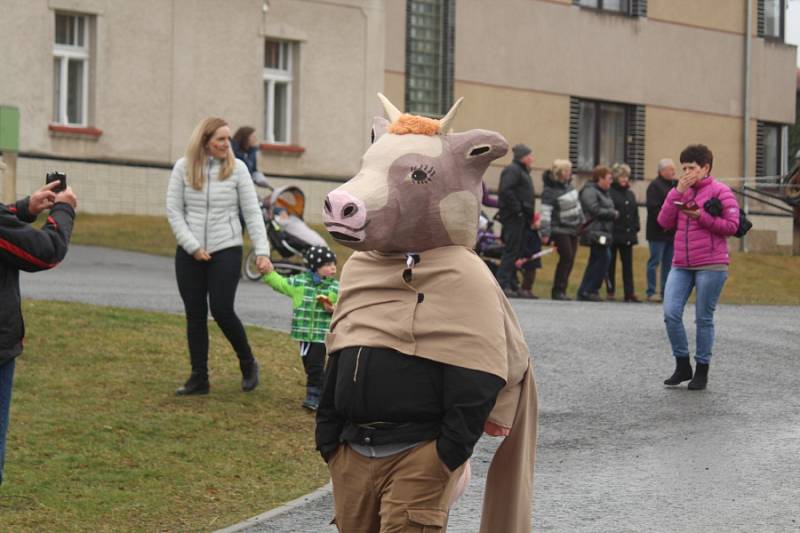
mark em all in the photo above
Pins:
pixel 98 441
pixel 753 278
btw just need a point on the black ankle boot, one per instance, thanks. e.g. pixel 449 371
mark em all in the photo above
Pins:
pixel 312 398
pixel 249 376
pixel 196 384
pixel 683 372
pixel 700 379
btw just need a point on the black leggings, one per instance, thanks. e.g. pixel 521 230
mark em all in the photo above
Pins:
pixel 214 282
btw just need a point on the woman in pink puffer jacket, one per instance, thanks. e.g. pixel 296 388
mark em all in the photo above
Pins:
pixel 704 214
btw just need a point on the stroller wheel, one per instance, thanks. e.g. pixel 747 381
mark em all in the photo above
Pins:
pixel 249 269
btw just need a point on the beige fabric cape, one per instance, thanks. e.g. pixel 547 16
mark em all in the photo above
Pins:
pixel 451 311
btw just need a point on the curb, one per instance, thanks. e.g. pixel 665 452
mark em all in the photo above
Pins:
pixel 285 508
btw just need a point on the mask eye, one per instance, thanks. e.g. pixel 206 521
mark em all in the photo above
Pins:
pixel 421 174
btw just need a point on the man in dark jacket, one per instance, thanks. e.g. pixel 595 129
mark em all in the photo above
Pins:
pixel 23 247
pixel 515 199
pixel 660 241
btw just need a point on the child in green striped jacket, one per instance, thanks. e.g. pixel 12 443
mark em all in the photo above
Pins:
pixel 314 294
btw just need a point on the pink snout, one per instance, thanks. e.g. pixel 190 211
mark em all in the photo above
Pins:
pixel 345 216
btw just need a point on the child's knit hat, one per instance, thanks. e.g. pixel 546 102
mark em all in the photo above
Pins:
pixel 316 256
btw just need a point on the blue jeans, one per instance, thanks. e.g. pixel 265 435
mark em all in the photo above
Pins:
pixel 596 269
pixel 6 379
pixel 679 286
pixel 660 254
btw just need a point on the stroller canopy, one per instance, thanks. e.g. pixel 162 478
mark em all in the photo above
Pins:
pixel 290 198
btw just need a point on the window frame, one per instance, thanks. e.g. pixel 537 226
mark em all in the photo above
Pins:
pixel 597 104
pixel 272 77
pixel 782 149
pixel 446 60
pixel 762 22
pixel 64 54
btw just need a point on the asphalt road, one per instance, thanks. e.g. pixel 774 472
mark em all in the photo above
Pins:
pixel 618 451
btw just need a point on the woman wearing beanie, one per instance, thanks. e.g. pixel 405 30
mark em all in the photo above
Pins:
pixel 704 213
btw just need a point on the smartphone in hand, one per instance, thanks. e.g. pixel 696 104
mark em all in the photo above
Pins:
pixel 56 176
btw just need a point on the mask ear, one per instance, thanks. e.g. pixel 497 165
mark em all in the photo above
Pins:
pixel 478 148
pixel 379 126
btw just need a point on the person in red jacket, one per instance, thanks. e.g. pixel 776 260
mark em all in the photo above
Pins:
pixel 23 247
pixel 704 214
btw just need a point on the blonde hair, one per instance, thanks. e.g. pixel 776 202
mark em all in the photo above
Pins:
pixel 196 153
pixel 560 168
pixel 619 170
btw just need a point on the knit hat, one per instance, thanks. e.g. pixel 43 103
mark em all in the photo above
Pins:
pixel 316 256
pixel 520 151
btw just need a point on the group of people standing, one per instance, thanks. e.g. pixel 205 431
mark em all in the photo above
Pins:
pixel 604 217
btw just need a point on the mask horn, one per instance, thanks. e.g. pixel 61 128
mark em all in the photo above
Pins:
pixel 391 111
pixel 445 121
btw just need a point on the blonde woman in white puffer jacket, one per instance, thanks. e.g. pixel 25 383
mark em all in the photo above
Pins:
pixel 207 189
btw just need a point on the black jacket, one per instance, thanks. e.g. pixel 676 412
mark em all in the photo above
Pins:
pixel 598 209
pixel 626 226
pixel 656 193
pixel 375 396
pixel 23 247
pixel 515 195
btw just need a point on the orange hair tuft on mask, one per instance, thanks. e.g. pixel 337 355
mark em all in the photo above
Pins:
pixel 406 124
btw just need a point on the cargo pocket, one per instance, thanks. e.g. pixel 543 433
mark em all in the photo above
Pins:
pixel 426 520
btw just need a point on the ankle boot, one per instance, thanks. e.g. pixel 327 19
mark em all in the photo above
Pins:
pixel 196 384
pixel 700 379
pixel 312 398
pixel 249 375
pixel 683 372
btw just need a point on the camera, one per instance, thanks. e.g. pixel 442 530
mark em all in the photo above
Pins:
pixel 57 176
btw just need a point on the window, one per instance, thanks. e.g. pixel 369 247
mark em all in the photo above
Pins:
pixel 71 70
pixel 278 79
pixel 771 150
pixel 636 8
pixel 604 133
pixel 771 17
pixel 429 56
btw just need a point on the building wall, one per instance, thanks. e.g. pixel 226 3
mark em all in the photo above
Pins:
pixel 153 78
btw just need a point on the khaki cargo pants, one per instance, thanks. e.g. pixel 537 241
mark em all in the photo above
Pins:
pixel 406 492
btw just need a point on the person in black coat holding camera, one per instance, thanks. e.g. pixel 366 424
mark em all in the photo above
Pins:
pixel 23 247
pixel 625 235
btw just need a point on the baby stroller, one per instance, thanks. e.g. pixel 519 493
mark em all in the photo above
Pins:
pixel 289 236
pixel 488 246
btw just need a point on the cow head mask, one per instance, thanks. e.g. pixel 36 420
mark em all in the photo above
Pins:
pixel 418 187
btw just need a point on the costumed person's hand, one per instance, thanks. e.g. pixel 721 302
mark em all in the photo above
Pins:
pixel 67 196
pixel 264 265
pixel 202 255
pixel 43 198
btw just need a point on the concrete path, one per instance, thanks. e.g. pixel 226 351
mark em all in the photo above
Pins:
pixel 618 451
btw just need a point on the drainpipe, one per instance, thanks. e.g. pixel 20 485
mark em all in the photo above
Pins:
pixel 748 65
